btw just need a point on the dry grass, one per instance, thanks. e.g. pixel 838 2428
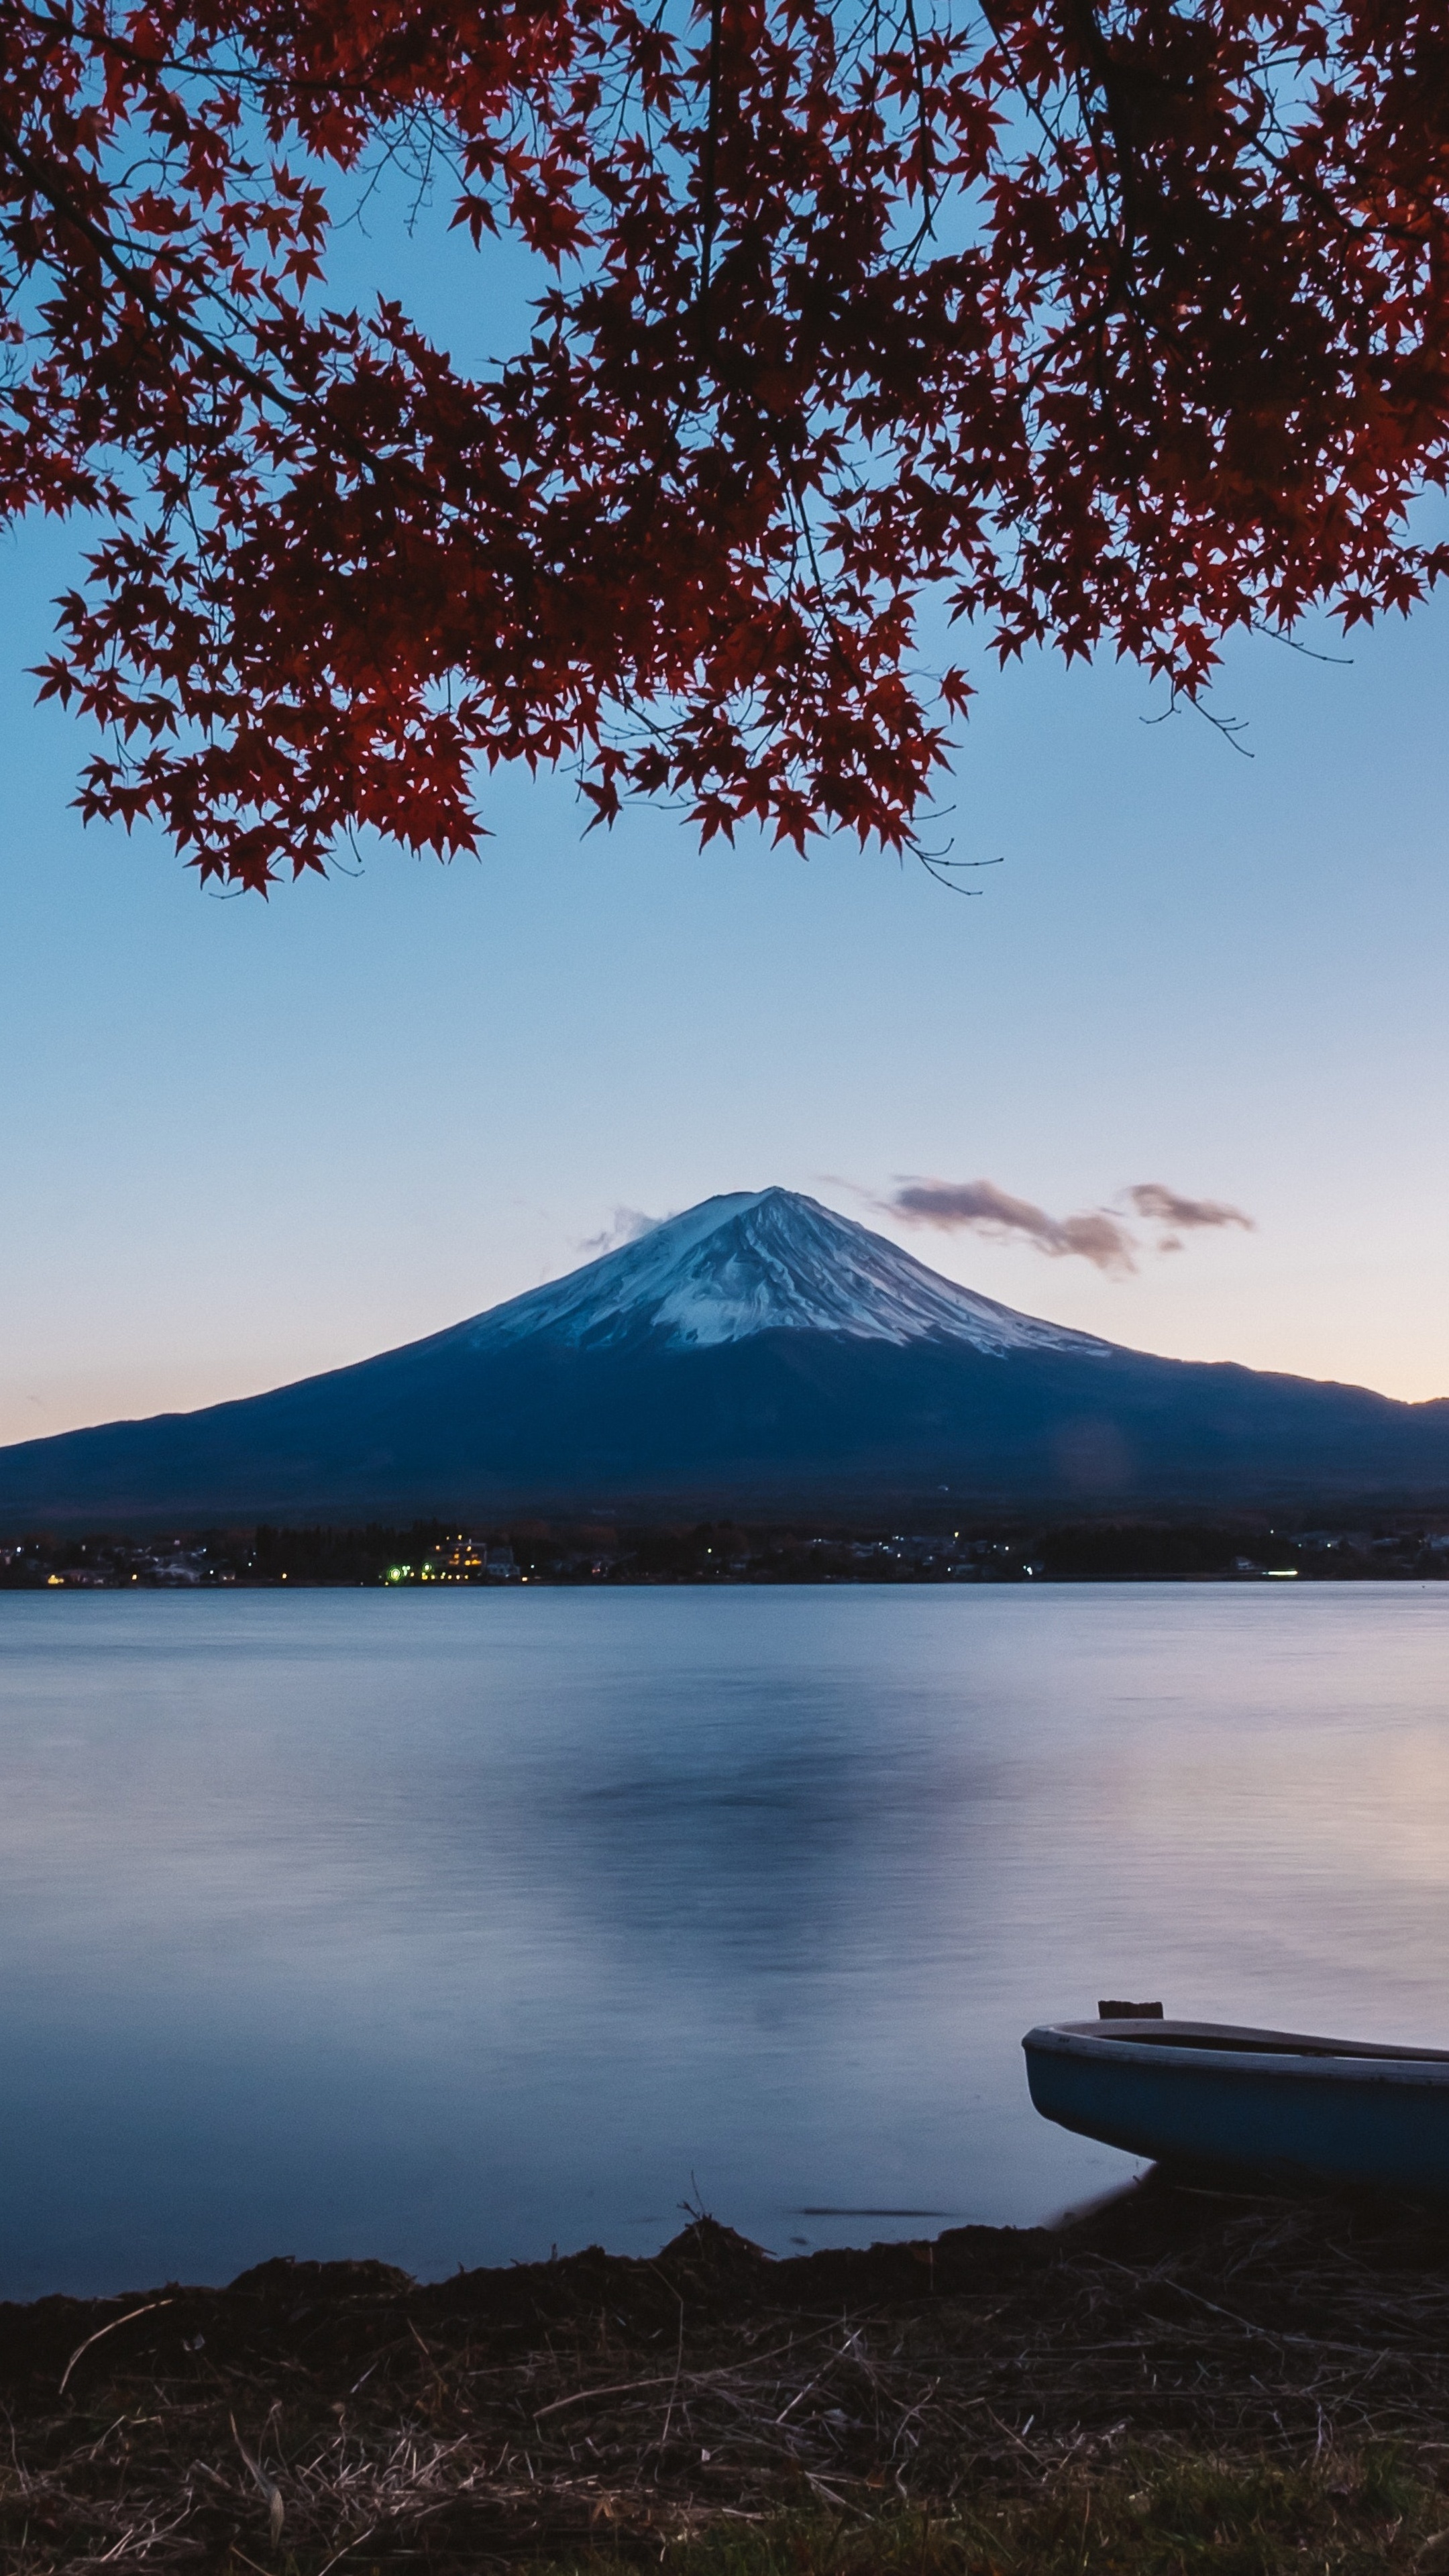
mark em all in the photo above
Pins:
pixel 1184 2381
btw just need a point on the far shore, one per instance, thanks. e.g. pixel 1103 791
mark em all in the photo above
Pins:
pixel 1401 1546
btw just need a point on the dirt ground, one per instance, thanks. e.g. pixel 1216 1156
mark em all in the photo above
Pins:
pixel 854 2410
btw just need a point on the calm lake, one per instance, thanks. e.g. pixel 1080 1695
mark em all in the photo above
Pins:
pixel 451 1927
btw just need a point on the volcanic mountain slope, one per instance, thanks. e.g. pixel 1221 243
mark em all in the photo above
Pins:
pixel 757 1353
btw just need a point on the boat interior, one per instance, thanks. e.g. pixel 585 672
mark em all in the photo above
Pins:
pixel 1244 2042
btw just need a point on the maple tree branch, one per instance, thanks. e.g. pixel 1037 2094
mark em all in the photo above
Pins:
pixel 199 67
pixel 708 205
pixel 1184 370
pixel 1030 99
pixel 923 130
pixel 204 342
pixel 1081 17
pixel 60 200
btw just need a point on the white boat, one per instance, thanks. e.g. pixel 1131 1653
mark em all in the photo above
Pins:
pixel 1276 2102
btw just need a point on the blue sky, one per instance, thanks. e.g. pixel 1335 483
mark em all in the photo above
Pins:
pixel 244 1141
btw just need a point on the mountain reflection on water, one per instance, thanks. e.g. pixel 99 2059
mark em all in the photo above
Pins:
pixel 450 1928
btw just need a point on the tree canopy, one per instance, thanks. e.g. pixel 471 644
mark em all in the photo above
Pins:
pixel 1114 323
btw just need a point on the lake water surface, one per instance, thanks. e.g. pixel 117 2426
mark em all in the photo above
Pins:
pixel 450 1927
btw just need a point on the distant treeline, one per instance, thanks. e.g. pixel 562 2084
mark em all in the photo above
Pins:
pixel 439 1552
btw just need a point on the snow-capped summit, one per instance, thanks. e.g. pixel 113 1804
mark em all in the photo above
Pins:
pixel 762 1261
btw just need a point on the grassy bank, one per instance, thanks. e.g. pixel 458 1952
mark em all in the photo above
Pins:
pixel 1152 2514
pixel 1184 2381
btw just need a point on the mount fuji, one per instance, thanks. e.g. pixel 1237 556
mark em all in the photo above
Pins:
pixel 756 1354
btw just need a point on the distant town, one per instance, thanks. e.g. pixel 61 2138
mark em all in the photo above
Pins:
pixel 432 1553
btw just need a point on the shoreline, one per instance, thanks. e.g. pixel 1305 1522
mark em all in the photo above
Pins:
pixel 310 2414
pixel 1424 1578
pixel 1390 1545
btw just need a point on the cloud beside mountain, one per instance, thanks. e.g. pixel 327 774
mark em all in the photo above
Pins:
pixel 629 1225
pixel 1097 1235
pixel 1153 1199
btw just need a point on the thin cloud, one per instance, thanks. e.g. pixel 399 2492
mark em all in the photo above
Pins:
pixel 1094 1235
pixel 1162 1206
pixel 1097 1235
pixel 627 1227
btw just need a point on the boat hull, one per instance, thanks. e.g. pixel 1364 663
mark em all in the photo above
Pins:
pixel 1266 2102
